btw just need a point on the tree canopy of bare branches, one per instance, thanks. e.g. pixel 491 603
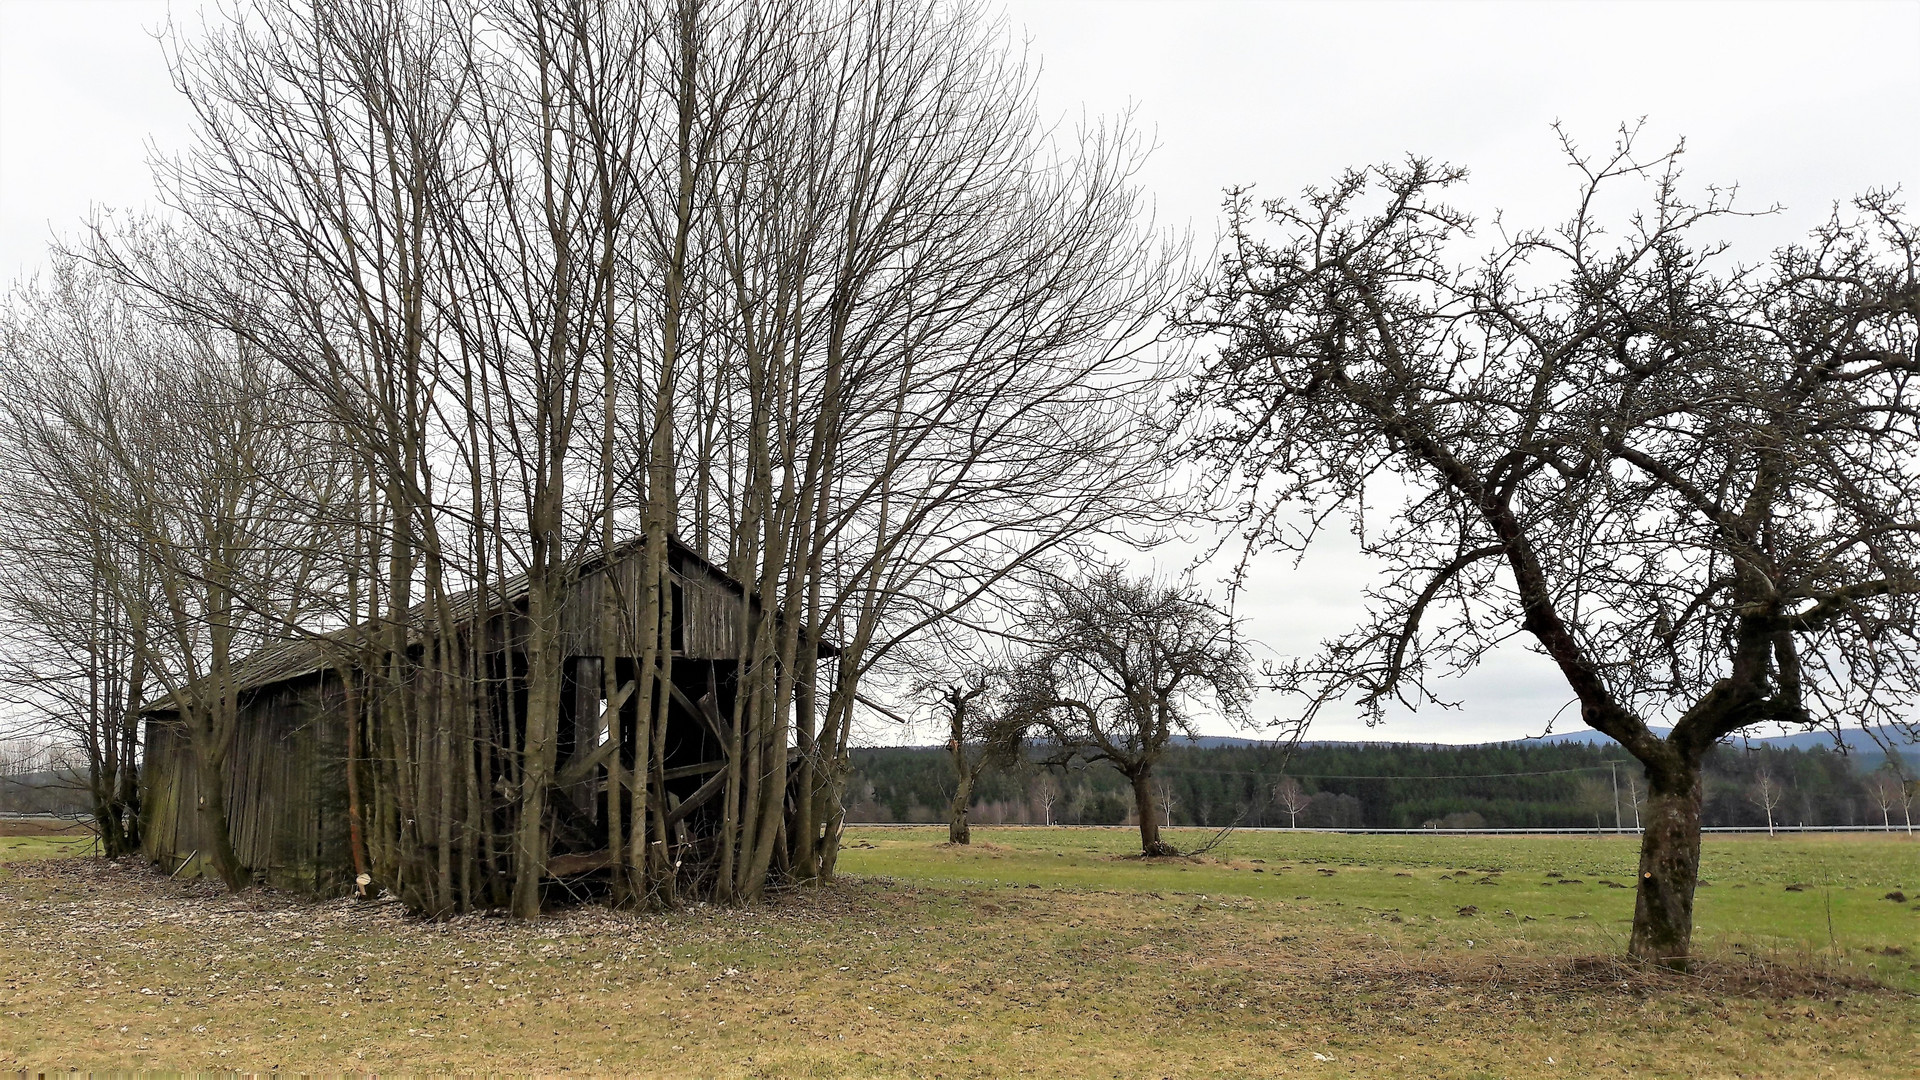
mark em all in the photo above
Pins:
pixel 1693 485
pixel 1120 666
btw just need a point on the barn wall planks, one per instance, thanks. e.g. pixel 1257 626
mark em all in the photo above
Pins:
pixel 707 611
pixel 286 773
pixel 285 806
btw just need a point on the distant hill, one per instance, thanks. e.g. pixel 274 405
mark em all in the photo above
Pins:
pixel 1581 735
pixel 1857 741
pixel 1209 742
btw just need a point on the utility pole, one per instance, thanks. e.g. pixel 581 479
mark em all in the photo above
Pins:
pixel 1614 768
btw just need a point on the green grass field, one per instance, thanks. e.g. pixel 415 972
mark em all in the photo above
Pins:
pixel 1531 892
pixel 41 846
pixel 1034 952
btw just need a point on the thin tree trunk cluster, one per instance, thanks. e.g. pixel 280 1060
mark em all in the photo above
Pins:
pixel 808 287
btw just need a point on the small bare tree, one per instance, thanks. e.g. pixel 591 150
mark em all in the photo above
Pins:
pixel 1766 794
pixel 1886 791
pixel 1292 798
pixel 1595 796
pixel 1163 795
pixel 1121 665
pixel 1046 792
pixel 980 735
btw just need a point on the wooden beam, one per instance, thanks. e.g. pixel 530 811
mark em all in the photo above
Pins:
pixel 569 865
pixel 694 801
pixel 707 711
pixel 582 767
pixel 620 697
pixel 701 769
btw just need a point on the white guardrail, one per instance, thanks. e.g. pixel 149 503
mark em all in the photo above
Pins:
pixel 1897 830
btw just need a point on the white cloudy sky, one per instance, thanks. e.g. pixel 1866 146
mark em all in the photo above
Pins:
pixel 1800 104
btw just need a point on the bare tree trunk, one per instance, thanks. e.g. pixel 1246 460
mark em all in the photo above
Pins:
pixel 805 859
pixel 356 827
pixel 1143 802
pixel 124 809
pixel 957 831
pixel 217 836
pixel 1669 868
pixel 543 712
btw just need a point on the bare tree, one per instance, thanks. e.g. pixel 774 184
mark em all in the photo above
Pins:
pixel 72 612
pixel 1690 484
pixel 20 756
pixel 1886 790
pixel 1164 797
pixel 1766 794
pixel 1595 796
pixel 1046 792
pixel 1907 794
pixel 955 262
pixel 981 734
pixel 1120 667
pixel 1292 798
pixel 191 488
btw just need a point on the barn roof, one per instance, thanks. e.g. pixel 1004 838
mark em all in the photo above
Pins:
pixel 283 661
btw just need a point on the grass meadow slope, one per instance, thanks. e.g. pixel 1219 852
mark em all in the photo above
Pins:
pixel 1042 952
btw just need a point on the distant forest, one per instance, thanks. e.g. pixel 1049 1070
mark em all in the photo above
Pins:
pixel 1379 785
pixel 1346 785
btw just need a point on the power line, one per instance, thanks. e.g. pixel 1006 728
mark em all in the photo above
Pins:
pixel 1403 776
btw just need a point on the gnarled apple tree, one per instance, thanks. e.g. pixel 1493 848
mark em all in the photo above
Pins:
pixel 1691 484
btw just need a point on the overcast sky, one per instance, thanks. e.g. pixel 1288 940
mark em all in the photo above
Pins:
pixel 1800 104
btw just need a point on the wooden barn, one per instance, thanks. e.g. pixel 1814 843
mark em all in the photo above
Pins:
pixel 287 779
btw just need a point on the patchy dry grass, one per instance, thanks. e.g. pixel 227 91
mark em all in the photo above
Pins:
pixel 1037 953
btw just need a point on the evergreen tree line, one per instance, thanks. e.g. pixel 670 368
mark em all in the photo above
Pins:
pixel 1386 785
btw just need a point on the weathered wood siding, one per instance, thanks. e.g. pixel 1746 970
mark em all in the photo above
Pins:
pixel 285 790
pixel 706 611
pixel 708 614
pixel 170 788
